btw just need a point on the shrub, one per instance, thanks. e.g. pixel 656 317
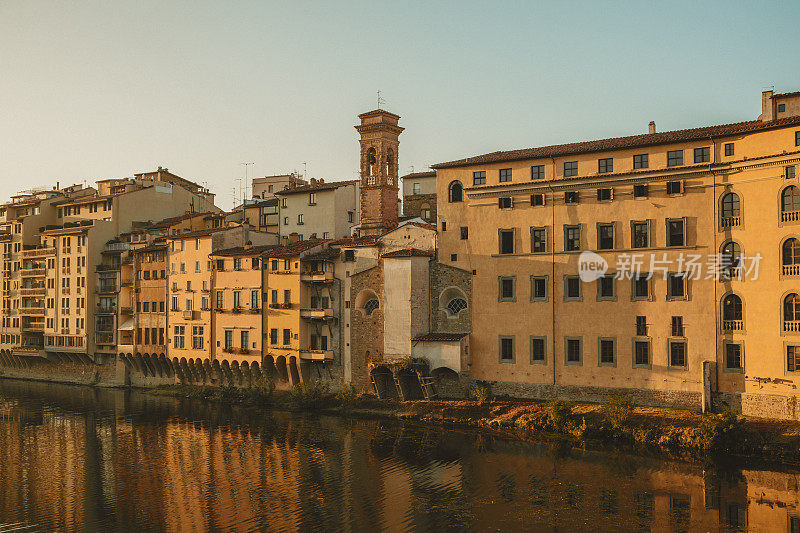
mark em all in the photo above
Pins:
pixel 721 433
pixel 347 395
pixel 309 395
pixel 559 412
pixel 226 393
pixel 617 409
pixel 481 393
pixel 261 391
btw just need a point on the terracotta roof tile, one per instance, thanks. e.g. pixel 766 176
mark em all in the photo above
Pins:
pixel 423 174
pixel 408 252
pixel 633 141
pixel 167 222
pixel 439 336
pixel 294 249
pixel 355 242
pixel 327 186
pixel 242 251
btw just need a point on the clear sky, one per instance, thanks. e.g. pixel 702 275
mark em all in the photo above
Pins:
pixel 101 89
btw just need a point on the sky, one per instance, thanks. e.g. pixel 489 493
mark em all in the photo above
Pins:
pixel 103 89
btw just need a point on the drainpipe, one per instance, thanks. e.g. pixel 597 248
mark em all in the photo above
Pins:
pixel 717 324
pixel 553 266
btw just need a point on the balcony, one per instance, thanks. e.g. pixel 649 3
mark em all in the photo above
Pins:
pixel 106 289
pixel 106 268
pixel 104 338
pixel 316 355
pixel 791 326
pixel 33 327
pixel 732 325
pixel 730 222
pixel 790 216
pixel 316 277
pixel 38 252
pixel 791 270
pixel 317 314
pixel 191 315
pixel 32 291
pixel 126 310
pixel 117 247
pixel 32 272
pixel 31 311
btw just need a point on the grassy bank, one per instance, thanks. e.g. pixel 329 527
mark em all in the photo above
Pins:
pixel 617 422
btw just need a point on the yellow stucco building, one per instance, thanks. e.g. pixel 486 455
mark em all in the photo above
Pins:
pixel 663 263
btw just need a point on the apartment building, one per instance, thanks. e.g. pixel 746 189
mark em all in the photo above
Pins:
pixel 238 319
pixel 261 215
pixel 419 195
pixel 320 210
pixel 191 324
pixel 265 187
pixel 634 313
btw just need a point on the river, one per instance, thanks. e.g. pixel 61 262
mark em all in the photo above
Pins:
pixel 83 459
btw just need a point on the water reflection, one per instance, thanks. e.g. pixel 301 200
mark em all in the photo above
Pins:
pixel 90 460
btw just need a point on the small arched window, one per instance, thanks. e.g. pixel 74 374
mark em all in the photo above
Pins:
pixel 791 252
pixel 730 260
pixel 371 160
pixel 791 308
pixel 730 205
pixel 732 307
pixel 456 305
pixel 455 192
pixel 790 199
pixel 371 305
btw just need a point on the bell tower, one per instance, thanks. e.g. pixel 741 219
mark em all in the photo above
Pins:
pixel 379 188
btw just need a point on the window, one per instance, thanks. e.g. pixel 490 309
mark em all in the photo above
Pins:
pixel 228 340
pixel 571 197
pixel 677 326
pixel 350 216
pixel 606 287
pixel 455 306
pixel 273 336
pixel 639 234
pixel 729 208
pixel 641 353
pixel 573 351
pixel 674 187
pixel 605 165
pixel 607 351
pixel 538 350
pixel 537 199
pixel 506 241
pixel 455 192
pixel 677 353
pixel 505 175
pixel 675 232
pixel 790 199
pixel 444 225
pixel 641 161
pixel 237 263
pixel 244 340
pixel 507 288
pixel 464 233
pixel 604 194
pixel 287 297
pixel 640 287
pixel 733 355
pixel 197 337
pixel 537 172
pixel 605 236
pixel 797 138
pixel 178 338
pixel 572 238
pixel 287 337
pixel 538 240
pixel 788 172
pixel 730 261
pixel 479 178
pixel 702 155
pixel 676 286
pixel 349 255
pixel 570 168
pixel 781 108
pixel 674 158
pixel 572 288
pixel 791 256
pixel 793 358
pixel 300 218
pixel 506 349
pixel 729 149
pixel 371 305
pixel 641 325
pixel 504 202
pixel 254 299
pixel 538 288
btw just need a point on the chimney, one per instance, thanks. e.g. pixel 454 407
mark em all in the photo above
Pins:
pixel 767 106
pixel 293 238
pixel 248 245
pixel 651 128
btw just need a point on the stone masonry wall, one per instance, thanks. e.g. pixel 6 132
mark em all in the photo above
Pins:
pixel 412 205
pixel 366 332
pixel 442 277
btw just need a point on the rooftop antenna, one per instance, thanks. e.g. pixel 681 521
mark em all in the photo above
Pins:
pixel 380 100
pixel 305 171
pixel 245 180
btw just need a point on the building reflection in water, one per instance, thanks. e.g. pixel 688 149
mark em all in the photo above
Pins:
pixel 83 459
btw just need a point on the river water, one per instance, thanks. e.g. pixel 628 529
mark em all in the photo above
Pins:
pixel 81 459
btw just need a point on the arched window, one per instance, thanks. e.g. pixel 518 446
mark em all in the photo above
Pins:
pixel 731 307
pixel 371 160
pixel 730 205
pixel 456 305
pixel 371 305
pixel 791 252
pixel 455 192
pixel 791 308
pixel 790 199
pixel 730 259
pixel 389 163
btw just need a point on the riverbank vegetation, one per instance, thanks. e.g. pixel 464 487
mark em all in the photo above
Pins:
pixel 618 421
